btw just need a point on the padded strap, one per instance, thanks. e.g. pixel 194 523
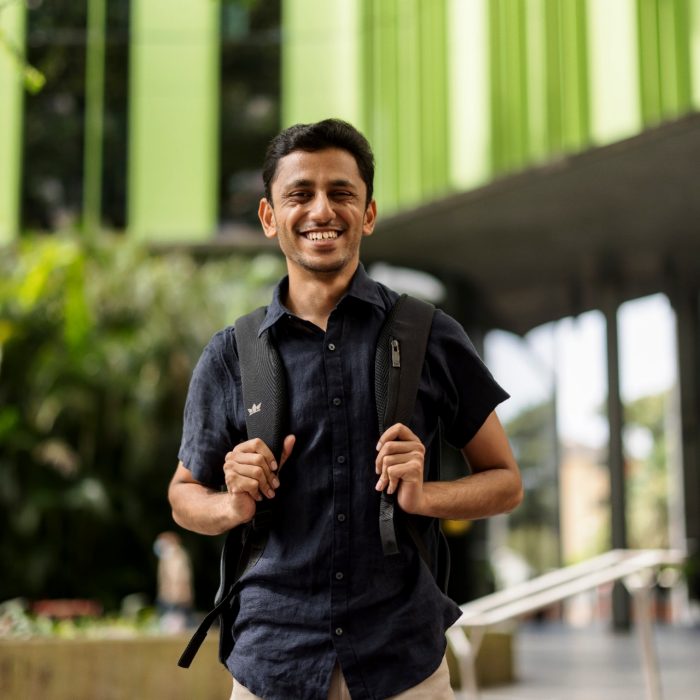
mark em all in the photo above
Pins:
pixel 265 400
pixel 263 381
pixel 398 364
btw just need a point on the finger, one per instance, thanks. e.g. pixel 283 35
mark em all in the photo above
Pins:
pixel 396 452
pixel 397 431
pixel 255 468
pixel 244 485
pixel 392 476
pixel 287 447
pixel 382 481
pixel 257 446
pixel 257 453
pixel 412 457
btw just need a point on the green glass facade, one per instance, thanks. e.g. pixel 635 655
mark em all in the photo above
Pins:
pixel 451 93
pixel 454 93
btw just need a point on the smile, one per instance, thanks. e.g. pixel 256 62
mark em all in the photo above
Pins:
pixel 320 235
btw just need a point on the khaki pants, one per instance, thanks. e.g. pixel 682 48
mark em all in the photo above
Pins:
pixel 434 687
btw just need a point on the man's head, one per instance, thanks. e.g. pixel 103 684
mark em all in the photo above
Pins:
pixel 329 133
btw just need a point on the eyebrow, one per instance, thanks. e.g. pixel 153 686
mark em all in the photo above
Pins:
pixel 303 182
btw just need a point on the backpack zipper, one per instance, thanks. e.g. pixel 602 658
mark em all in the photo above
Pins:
pixel 395 353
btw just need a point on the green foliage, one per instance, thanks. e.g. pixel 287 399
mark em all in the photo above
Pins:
pixel 32 78
pixel 647 479
pixel 96 349
pixel 534 524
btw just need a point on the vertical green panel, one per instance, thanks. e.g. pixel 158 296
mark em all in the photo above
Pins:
pixel 668 76
pixel 554 76
pixel 694 52
pixel 94 115
pixel 517 80
pixel 384 134
pixel 509 99
pixel 574 75
pixel 649 60
pixel 682 54
pixel 173 119
pixel 583 79
pixel 320 61
pixel 497 85
pixel 409 99
pixel 613 69
pixel 12 26
pixel 433 53
pixel 536 85
pixel 469 109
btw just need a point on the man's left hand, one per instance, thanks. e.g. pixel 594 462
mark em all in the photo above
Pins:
pixel 399 464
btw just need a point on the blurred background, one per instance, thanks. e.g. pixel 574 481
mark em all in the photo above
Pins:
pixel 537 168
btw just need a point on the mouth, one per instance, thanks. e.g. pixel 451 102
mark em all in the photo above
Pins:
pixel 321 235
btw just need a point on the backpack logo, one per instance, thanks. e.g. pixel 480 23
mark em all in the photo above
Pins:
pixel 255 408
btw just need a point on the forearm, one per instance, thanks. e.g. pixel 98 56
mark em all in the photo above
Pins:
pixel 199 508
pixel 479 495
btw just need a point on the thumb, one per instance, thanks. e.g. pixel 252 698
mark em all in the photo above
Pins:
pixel 287 446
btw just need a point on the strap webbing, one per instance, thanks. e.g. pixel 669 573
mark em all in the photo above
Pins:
pixel 397 372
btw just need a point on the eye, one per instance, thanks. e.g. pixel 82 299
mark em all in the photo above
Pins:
pixel 299 195
pixel 343 194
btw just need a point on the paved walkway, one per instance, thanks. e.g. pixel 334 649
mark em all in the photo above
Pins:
pixel 554 662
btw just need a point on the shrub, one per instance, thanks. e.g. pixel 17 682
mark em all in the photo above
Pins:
pixel 97 344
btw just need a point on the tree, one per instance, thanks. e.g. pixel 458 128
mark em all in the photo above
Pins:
pixel 96 349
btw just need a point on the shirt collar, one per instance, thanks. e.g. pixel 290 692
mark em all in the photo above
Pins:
pixel 362 287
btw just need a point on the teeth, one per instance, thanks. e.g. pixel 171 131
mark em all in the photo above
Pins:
pixel 320 235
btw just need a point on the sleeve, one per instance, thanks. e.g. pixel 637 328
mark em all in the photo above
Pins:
pixel 467 391
pixel 208 431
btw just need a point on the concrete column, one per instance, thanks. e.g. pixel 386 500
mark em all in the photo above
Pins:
pixel 687 305
pixel 616 460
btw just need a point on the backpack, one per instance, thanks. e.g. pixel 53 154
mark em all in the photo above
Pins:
pixel 399 358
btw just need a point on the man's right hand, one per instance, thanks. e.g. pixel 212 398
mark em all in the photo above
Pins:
pixel 251 474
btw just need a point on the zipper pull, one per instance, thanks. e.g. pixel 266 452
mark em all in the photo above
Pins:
pixel 395 353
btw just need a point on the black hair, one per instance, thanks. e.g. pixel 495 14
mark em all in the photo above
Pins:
pixel 329 133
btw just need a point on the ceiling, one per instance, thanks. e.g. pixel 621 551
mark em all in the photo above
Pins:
pixel 616 222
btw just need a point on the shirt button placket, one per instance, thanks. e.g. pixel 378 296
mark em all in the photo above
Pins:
pixel 341 487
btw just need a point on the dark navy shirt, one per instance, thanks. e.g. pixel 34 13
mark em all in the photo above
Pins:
pixel 323 589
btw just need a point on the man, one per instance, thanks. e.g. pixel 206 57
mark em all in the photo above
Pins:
pixel 324 614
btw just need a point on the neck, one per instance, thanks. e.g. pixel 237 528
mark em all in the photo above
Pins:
pixel 313 296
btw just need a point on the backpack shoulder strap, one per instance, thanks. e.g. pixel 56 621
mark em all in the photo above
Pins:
pixel 263 382
pixel 399 359
pixel 265 398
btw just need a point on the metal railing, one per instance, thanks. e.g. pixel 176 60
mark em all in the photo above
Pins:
pixel 635 568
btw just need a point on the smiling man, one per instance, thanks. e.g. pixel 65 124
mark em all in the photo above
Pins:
pixel 324 613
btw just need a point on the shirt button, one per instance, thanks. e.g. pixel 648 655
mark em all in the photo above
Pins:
pixel 341 459
pixel 341 517
pixel 339 575
pixel 338 631
pixel 331 346
pixel 337 401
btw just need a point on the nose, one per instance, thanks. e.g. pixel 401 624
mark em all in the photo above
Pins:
pixel 321 208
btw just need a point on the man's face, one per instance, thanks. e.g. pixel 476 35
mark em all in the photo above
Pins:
pixel 319 214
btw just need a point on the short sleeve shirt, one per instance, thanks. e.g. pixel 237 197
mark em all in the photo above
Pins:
pixel 324 591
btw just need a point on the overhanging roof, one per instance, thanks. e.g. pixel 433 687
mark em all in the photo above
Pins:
pixel 553 240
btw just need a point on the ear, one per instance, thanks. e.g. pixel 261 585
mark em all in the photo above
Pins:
pixel 266 214
pixel 370 219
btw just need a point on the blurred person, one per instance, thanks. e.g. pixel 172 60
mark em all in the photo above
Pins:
pixel 174 598
pixel 324 614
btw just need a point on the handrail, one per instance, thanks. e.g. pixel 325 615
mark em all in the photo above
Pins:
pixel 543 591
